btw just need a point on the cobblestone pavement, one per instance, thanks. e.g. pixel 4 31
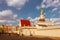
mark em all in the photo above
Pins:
pixel 17 37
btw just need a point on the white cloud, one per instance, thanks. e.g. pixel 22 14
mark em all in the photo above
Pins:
pixel 37 7
pixel 7 16
pixel 43 6
pixel 29 18
pixel 16 3
pixel 51 3
pixel 7 21
pixel 15 16
pixel 55 20
pixel 5 13
pixel 44 1
pixel 33 20
pixel 54 9
pixel 1 21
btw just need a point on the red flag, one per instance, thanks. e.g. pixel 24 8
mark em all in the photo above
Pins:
pixel 25 23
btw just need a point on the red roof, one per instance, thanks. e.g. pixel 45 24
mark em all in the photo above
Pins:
pixel 25 23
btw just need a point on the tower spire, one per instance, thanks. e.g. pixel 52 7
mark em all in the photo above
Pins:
pixel 42 17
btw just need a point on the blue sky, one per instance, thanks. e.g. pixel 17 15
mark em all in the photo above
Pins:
pixel 11 11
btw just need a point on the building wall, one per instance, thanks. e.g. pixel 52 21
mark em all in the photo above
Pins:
pixel 51 32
